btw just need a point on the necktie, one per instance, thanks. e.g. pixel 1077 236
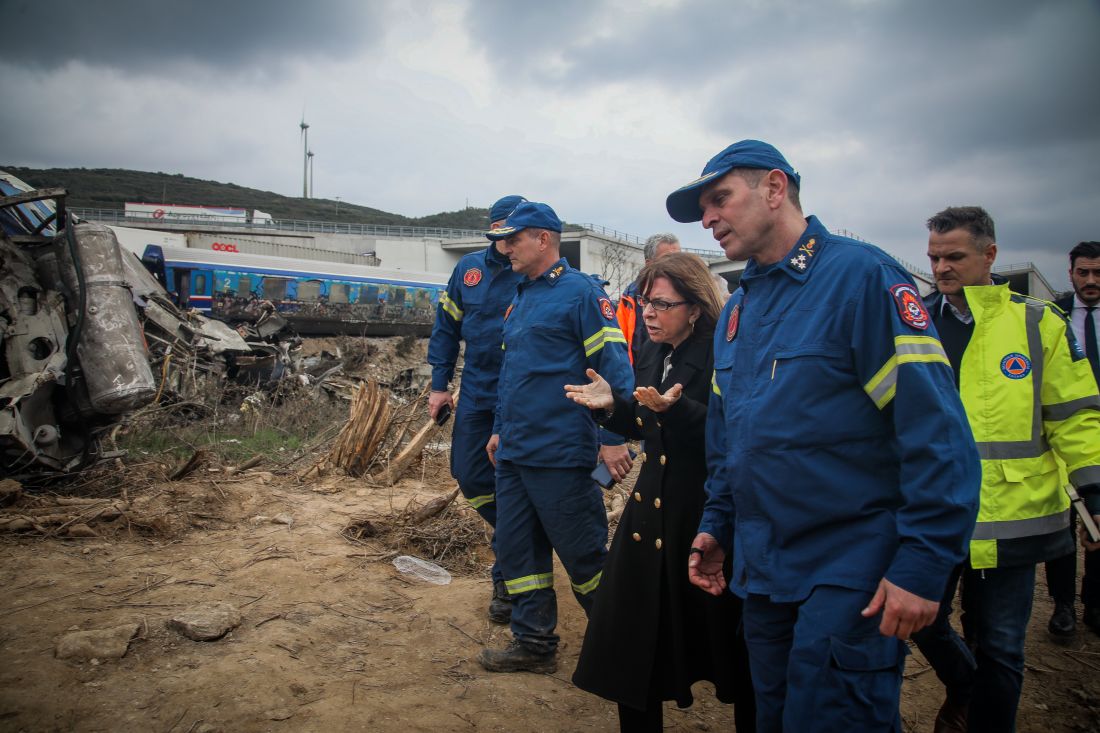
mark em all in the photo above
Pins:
pixel 1090 341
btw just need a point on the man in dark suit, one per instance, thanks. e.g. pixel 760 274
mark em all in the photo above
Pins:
pixel 1083 309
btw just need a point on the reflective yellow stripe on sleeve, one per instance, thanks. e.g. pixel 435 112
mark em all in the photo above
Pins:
pixel 907 350
pixel 606 335
pixel 714 383
pixel 450 307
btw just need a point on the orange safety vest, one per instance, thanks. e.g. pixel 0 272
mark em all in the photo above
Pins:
pixel 627 315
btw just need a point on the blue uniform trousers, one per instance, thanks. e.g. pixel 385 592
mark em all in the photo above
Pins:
pixel 471 467
pixel 996 606
pixel 542 511
pixel 818 665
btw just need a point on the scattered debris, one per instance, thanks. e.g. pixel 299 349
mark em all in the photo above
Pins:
pixel 420 568
pixel 410 452
pixel 432 508
pixel 88 335
pixel 364 431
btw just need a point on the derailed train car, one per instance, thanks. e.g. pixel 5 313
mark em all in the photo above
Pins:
pixel 82 326
pixel 315 297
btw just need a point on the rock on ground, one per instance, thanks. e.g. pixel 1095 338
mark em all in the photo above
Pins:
pixel 207 622
pixel 97 643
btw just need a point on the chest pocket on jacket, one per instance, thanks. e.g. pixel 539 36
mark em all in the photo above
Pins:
pixel 805 389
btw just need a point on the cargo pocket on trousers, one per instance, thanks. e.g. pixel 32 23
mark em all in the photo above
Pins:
pixel 867 673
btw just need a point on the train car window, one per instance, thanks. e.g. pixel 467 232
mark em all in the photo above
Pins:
pixel 274 288
pixel 338 293
pixel 397 296
pixel 370 296
pixel 198 284
pixel 183 287
pixel 309 290
pixel 244 286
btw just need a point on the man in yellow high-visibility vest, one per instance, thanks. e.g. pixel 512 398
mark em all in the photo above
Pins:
pixel 1033 406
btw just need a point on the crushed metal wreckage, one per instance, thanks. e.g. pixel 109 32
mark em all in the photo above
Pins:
pixel 88 335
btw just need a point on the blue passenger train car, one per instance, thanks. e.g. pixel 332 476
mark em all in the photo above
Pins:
pixel 317 298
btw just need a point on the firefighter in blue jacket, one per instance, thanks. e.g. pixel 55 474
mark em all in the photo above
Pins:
pixel 843 476
pixel 545 445
pixel 472 309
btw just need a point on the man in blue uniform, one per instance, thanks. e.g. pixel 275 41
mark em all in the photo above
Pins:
pixel 472 309
pixel 544 444
pixel 843 476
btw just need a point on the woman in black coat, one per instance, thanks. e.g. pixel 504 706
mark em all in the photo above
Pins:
pixel 652 634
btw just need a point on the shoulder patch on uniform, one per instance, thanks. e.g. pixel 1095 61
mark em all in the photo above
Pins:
pixel 472 277
pixel 607 309
pixel 1015 365
pixel 910 307
pixel 731 325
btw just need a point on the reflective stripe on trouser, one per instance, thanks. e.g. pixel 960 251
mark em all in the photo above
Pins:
pixel 541 511
pixel 818 665
pixel 471 467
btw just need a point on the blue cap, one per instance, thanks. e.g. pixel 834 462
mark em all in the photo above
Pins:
pixel 683 203
pixel 501 209
pixel 528 215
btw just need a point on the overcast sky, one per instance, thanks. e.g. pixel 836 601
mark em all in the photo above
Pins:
pixel 889 109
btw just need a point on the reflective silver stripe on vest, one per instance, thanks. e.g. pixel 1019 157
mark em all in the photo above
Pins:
pixel 1012 529
pixel 1037 446
pixel 1085 476
pixel 1066 410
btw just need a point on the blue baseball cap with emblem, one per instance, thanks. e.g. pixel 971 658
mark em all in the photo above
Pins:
pixel 528 215
pixel 501 209
pixel 683 203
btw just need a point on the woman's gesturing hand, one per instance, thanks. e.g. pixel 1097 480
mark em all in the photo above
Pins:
pixel 595 396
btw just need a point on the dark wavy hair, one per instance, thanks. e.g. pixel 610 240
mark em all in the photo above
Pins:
pixel 693 281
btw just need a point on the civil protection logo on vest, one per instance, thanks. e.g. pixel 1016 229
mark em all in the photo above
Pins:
pixel 472 277
pixel 607 309
pixel 1015 366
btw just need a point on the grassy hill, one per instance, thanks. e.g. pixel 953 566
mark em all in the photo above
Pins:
pixel 111 188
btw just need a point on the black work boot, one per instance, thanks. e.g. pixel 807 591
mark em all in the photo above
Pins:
pixel 500 607
pixel 517 658
pixel 1063 622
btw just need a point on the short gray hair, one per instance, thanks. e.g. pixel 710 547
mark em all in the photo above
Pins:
pixel 651 244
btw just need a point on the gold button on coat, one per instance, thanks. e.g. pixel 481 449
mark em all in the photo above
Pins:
pixel 639 421
pixel 657 503
pixel 637 537
pixel 642 457
pixel 657 543
pixel 637 496
pixel 663 460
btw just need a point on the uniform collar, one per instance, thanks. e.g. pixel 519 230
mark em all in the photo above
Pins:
pixel 494 257
pixel 986 300
pixel 554 273
pixel 799 261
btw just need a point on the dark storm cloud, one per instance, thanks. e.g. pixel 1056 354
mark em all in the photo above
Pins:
pixel 138 34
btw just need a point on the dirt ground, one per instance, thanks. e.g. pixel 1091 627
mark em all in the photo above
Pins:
pixel 334 638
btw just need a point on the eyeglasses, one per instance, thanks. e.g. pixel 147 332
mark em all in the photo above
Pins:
pixel 660 305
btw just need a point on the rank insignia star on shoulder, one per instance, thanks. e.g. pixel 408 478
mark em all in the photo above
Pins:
pixel 556 272
pixel 799 263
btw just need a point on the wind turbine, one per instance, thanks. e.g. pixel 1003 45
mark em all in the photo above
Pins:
pixel 309 157
pixel 305 156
